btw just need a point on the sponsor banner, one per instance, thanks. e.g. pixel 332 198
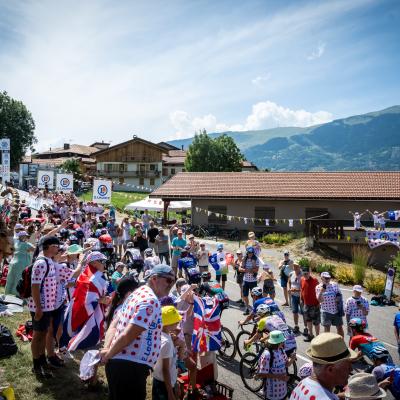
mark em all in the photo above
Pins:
pixel 5 144
pixel 102 191
pixel 65 182
pixel 390 275
pixel 45 178
pixel 380 238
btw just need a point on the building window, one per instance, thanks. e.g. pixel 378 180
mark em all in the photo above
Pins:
pixel 218 215
pixel 165 171
pixel 172 171
pixel 115 167
pixel 121 180
pixel 141 181
pixel 152 167
pixel 152 181
pixel 263 213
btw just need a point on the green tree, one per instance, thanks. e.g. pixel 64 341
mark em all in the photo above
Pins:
pixel 16 123
pixel 72 166
pixel 213 155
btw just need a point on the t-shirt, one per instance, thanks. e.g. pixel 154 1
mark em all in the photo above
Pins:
pixel 141 308
pixel 308 291
pixel 366 343
pixel 176 242
pixel 63 275
pixel 49 287
pixel 221 261
pixel 353 311
pixel 168 350
pixel 328 303
pixel 310 389
pixel 396 322
pixel 274 389
pixel 275 323
pixel 162 243
pixel 202 256
pixel 151 234
pixel 250 276
pixel 114 278
pixel 295 280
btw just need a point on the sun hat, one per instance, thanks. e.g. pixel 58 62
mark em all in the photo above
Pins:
pixel 22 234
pixel 251 235
pixel 170 315
pixel 74 249
pixel 96 256
pixel 363 386
pixel 329 348
pixel 276 337
pixel 326 275
pixel 239 251
pixel 357 288
pixel 161 269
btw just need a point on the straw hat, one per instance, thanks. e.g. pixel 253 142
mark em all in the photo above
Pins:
pixel 330 348
pixel 363 386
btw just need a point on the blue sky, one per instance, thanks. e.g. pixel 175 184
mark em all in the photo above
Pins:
pixel 105 70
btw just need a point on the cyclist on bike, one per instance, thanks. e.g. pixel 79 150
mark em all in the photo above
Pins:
pixel 270 322
pixel 132 258
pixel 209 287
pixel 186 261
pixel 258 299
pixel 150 260
pixel 364 342
pixel 385 370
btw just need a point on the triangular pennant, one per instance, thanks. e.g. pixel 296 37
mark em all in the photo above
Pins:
pixel 267 222
pixel 245 220
pixel 290 222
pixel 301 221
pixel 348 238
pixel 338 237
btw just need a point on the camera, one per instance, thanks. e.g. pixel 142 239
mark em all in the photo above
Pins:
pixel 324 286
pixel 358 302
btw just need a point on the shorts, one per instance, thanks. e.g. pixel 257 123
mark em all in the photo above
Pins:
pixel 270 290
pixel 43 324
pixel 328 319
pixel 203 268
pixel 312 314
pixel 239 277
pixel 247 286
pixel 284 281
pixel 296 306
pixel 223 276
pixel 58 318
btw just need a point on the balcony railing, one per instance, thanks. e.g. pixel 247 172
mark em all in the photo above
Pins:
pixel 129 174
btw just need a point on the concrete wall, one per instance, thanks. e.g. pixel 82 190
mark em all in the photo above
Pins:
pixel 286 209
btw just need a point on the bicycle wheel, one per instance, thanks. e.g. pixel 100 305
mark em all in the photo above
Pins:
pixel 248 369
pixel 240 338
pixel 228 344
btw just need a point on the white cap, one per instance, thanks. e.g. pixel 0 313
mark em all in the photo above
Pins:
pixel 357 288
pixel 325 274
pixel 19 226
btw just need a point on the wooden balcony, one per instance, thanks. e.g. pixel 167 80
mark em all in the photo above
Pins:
pixel 129 174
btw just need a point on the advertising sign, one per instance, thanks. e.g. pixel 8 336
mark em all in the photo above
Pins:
pixel 65 183
pixel 5 144
pixel 45 178
pixel 391 272
pixel 102 191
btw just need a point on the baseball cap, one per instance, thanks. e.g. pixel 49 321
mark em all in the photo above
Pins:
pixel 22 233
pixel 220 246
pixel 239 251
pixel 119 264
pixel 191 236
pixel 161 269
pixel 357 288
pixel 326 274
pixel 96 256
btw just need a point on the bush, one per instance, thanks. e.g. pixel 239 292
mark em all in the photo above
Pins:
pixel 360 256
pixel 326 268
pixel 396 263
pixel 345 274
pixel 375 284
pixel 304 262
pixel 278 238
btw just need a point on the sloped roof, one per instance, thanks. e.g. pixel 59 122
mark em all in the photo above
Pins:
pixel 282 185
pixel 78 149
pixel 174 157
pixel 134 139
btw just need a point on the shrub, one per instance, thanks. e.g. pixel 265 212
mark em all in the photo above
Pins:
pixel 278 238
pixel 375 284
pixel 344 274
pixel 360 256
pixel 304 262
pixel 396 263
pixel 326 268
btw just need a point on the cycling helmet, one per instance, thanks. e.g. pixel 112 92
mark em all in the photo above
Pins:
pixel 148 252
pixel 98 233
pixel 249 249
pixel 206 275
pixel 357 323
pixel 129 245
pixel 263 309
pixel 378 352
pixel 257 291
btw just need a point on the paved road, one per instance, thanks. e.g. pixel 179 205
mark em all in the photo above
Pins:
pixel 380 322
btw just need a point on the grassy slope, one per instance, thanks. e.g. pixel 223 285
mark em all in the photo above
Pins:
pixel 118 199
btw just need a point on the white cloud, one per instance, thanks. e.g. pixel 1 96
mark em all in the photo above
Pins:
pixel 264 115
pixel 320 50
pixel 261 80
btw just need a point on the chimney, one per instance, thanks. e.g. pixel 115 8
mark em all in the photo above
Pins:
pixel 66 146
pixel 182 147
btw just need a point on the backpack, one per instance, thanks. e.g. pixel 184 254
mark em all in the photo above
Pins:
pixel 24 285
pixel 8 347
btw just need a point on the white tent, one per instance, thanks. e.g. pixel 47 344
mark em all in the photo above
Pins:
pixel 158 205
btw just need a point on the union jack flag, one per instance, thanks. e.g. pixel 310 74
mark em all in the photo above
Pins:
pixel 207 324
pixel 84 317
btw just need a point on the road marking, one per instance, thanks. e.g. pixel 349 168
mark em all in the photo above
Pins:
pixel 302 357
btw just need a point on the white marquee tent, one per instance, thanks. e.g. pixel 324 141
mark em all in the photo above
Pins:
pixel 158 205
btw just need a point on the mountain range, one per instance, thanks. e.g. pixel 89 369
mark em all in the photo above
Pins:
pixel 361 142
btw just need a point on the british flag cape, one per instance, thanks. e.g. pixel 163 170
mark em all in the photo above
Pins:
pixel 84 317
pixel 207 324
